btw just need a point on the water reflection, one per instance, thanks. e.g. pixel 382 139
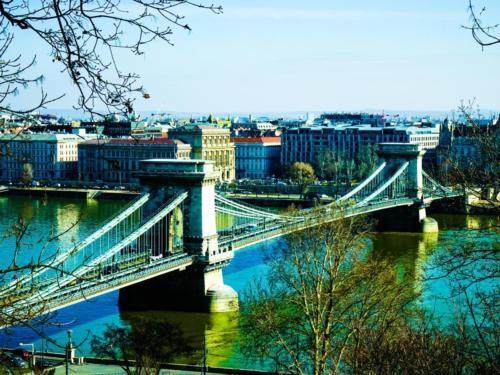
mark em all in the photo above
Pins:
pixel 218 330
pixel 472 222
pixel 408 252
pixel 46 217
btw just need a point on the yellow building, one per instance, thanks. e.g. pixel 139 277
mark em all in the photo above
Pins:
pixel 209 142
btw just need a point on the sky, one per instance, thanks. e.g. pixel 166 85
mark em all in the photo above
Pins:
pixel 317 55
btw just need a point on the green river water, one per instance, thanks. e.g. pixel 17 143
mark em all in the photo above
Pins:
pixel 409 253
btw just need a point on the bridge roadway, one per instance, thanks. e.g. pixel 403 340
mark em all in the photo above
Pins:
pixel 85 289
pixel 273 229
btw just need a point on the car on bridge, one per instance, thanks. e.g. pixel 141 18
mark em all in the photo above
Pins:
pixel 154 258
pixel 251 228
pixel 108 270
pixel 21 353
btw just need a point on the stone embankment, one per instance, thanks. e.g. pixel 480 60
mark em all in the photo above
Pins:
pixel 69 192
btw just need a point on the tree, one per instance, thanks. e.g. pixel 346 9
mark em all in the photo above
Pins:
pixel 366 161
pixel 338 167
pixel 302 174
pixel 485 34
pixel 411 346
pixel 85 38
pixel 469 158
pixel 472 268
pixel 325 306
pixel 141 348
pixel 319 294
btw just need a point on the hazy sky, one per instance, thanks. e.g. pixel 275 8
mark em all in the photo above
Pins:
pixel 313 55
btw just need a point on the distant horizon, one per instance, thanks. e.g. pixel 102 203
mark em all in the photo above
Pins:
pixel 485 113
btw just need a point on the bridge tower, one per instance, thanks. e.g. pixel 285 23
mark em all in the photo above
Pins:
pixel 201 286
pixel 397 154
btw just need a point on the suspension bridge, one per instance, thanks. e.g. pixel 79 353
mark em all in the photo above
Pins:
pixel 181 223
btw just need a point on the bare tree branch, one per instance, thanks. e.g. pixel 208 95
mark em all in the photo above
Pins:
pixel 484 34
pixel 84 37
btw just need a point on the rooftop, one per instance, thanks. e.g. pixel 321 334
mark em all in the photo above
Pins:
pixel 369 128
pixel 41 137
pixel 136 141
pixel 199 127
pixel 142 141
pixel 256 140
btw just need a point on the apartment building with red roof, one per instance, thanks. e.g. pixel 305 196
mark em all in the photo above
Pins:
pixel 114 161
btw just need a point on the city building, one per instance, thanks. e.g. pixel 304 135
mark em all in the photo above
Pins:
pixel 375 120
pixel 462 144
pixel 42 157
pixel 257 157
pixel 303 144
pixel 114 161
pixel 209 142
pixel 114 127
pixel 150 131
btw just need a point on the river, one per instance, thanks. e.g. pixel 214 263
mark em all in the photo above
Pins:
pixel 408 252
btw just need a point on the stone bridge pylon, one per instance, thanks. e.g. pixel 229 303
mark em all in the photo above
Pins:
pixel 397 155
pixel 199 287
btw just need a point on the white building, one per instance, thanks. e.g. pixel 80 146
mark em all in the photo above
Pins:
pixel 257 157
pixel 428 138
pixel 262 126
pixel 39 157
pixel 304 143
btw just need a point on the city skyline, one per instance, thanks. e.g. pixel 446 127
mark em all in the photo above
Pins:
pixel 291 57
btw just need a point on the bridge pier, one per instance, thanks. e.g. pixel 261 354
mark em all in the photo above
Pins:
pixel 405 219
pixel 199 287
pixel 426 224
pixel 193 289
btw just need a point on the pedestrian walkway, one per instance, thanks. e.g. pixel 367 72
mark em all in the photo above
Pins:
pixel 96 369
pixel 90 369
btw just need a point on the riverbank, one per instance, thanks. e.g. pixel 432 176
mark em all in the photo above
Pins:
pixel 70 192
pixel 458 206
pixel 93 365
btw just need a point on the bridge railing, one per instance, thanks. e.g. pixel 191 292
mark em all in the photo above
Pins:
pixel 396 183
pixel 431 186
pixel 244 209
pixel 376 192
pixel 86 289
pixel 324 214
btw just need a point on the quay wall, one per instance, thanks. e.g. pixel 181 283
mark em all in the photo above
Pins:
pixel 71 193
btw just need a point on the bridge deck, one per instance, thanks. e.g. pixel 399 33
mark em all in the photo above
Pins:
pixel 271 230
pixel 85 290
